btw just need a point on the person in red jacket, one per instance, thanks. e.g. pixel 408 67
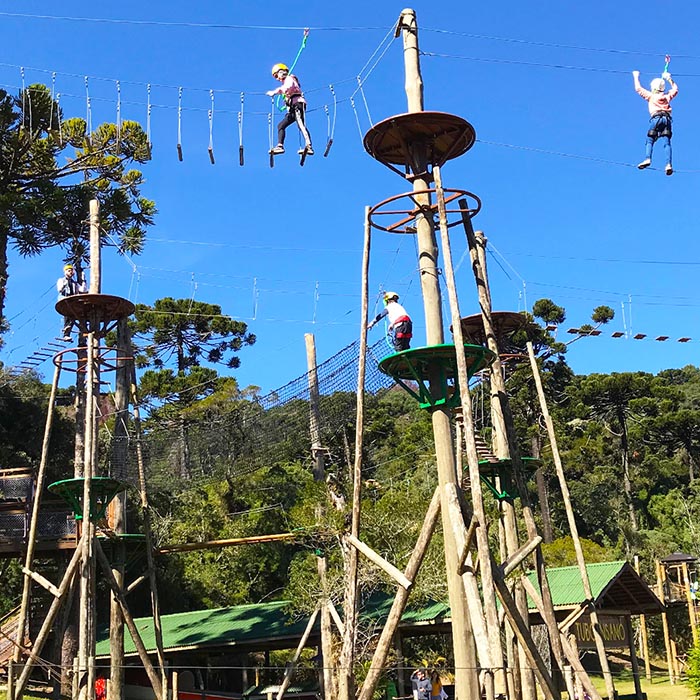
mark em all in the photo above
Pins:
pixel 659 116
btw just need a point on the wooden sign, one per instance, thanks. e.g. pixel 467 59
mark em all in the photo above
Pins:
pixel 612 628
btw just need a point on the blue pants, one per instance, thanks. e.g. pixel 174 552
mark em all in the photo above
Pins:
pixel 659 129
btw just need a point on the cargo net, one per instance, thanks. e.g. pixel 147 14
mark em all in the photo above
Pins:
pixel 247 433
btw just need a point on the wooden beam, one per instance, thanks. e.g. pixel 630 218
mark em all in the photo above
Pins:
pixel 382 563
pixel 232 542
pixel 515 559
pixel 289 671
pixel 41 581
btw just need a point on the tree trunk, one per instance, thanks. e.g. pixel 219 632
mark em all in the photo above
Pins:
pixel 542 493
pixel 626 481
pixel 3 275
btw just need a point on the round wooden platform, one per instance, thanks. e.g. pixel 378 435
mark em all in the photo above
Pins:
pixel 406 139
pixel 505 323
pixel 102 307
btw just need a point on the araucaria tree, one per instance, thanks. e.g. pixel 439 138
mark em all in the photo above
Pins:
pixel 50 167
pixel 175 336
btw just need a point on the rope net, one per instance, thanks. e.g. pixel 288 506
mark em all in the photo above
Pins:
pixel 245 433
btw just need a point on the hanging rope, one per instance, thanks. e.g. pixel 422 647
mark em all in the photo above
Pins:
pixel 269 131
pixel 240 132
pixel 21 72
pixel 58 116
pixel 179 124
pixel 357 118
pixel 668 61
pixel 149 144
pixel 331 125
pixel 88 113
pixel 364 99
pixel 119 114
pixel 211 128
pixel 279 100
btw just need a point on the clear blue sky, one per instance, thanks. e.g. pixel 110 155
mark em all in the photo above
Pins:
pixel 281 249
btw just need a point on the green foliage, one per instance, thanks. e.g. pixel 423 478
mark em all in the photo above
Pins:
pixel 693 670
pixel 50 167
pixel 561 552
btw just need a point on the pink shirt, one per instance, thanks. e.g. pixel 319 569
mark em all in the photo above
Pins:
pixel 658 101
pixel 291 90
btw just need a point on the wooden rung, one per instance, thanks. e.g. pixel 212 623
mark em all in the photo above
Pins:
pixel 640 336
pixel 522 553
pixel 574 331
pixel 661 338
pixel 618 334
pixel 135 583
pixel 684 340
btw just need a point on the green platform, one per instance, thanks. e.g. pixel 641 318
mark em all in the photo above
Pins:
pixel 434 370
pixel 498 476
pixel 134 544
pixel 103 490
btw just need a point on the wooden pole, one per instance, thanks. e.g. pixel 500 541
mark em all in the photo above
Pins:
pixel 494 651
pixel 664 622
pixel 523 679
pixel 633 659
pixel 131 625
pixel 148 533
pixel 573 528
pixel 231 542
pixel 466 672
pixel 31 539
pixel 346 684
pixel 381 652
pixel 118 509
pixel 382 563
pixel 319 474
pixel 289 671
pixel 691 603
pixel 644 637
pixel 95 252
pixel 46 626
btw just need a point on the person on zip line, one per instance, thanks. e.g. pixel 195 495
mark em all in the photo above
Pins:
pixel 659 116
pixel 295 104
pixel 399 321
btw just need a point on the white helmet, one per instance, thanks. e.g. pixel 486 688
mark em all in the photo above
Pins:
pixel 658 85
pixel 390 296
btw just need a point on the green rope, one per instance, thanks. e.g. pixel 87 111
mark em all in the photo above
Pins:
pixel 279 98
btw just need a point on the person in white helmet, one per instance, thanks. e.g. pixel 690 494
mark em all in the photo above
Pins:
pixel 67 286
pixel 659 116
pixel 296 107
pixel 400 323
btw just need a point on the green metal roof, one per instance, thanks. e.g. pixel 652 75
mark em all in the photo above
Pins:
pixel 615 585
pixel 240 624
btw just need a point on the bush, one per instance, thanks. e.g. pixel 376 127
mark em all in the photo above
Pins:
pixel 694 670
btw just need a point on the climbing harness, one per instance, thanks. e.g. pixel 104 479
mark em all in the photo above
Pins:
pixel 211 128
pixel 179 124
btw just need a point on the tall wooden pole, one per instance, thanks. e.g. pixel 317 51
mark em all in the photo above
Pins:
pixel 466 672
pixel 573 528
pixel 120 453
pixel 690 601
pixel 346 685
pixel 319 472
pixel 31 539
pixel 495 674
pixel 664 622
pixel 148 536
pixel 523 680
pixel 644 637
pixel 95 248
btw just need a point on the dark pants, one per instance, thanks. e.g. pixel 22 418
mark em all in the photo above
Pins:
pixel 296 113
pixel 660 127
pixel 403 332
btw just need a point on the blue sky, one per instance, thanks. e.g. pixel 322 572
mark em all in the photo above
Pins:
pixel 547 86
